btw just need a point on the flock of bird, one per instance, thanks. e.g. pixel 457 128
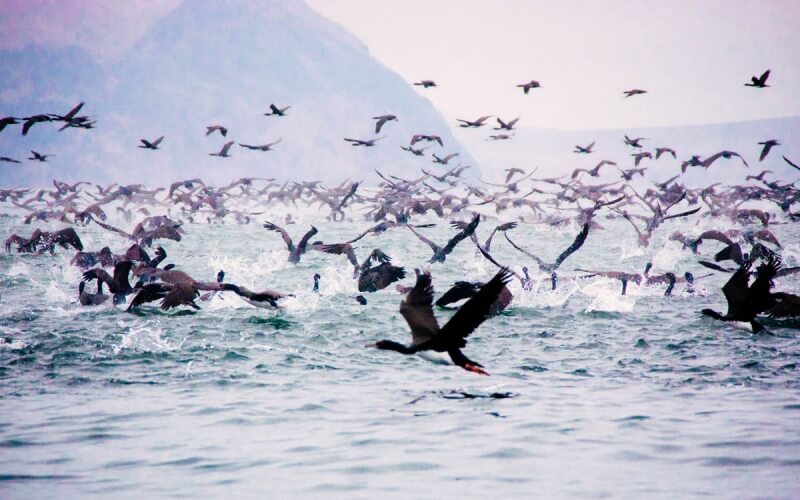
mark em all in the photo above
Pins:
pixel 135 277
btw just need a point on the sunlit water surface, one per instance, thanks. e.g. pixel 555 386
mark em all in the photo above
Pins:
pixel 594 394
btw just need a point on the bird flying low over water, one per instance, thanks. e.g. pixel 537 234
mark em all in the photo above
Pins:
pixel 145 144
pixel 759 82
pixel 427 338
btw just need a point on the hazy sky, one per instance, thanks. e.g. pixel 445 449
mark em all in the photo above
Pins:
pixel 692 56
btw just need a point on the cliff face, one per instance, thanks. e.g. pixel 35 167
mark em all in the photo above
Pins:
pixel 205 63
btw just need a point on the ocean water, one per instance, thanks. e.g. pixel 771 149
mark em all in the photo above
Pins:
pixel 591 394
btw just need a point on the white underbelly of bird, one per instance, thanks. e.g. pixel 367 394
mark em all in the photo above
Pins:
pixel 440 358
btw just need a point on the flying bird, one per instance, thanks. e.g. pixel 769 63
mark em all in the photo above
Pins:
pixel 473 124
pixel 145 144
pixel 767 146
pixel 223 153
pixel 366 143
pixel 633 92
pixel 263 147
pixel 214 128
pixel 428 338
pixel 423 137
pixel 38 156
pixel 759 82
pixel 382 119
pixel 444 160
pixel 526 87
pixel 9 160
pixel 585 150
pixel 504 125
pixel 276 111
pixel 426 83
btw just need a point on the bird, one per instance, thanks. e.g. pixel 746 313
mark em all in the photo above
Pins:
pixel 440 253
pixel 633 92
pixel 768 144
pixel 210 129
pixel 594 172
pixel 723 154
pixel 745 300
pixel 443 161
pixel 38 156
pixel 266 299
pixel 295 252
pixel 263 147
pixel 787 160
pixel 276 111
pixel 428 338
pixel 758 82
pixel 145 144
pixel 504 125
pixel 423 137
pixel 473 124
pixel 91 299
pixel 118 284
pixel 366 143
pixel 30 121
pixel 8 120
pixel 425 83
pixel 572 248
pixel 585 150
pixel 9 160
pixel 526 87
pixel 382 119
pixel 638 157
pixel 414 151
pixel 635 142
pixel 223 153
pixel 661 151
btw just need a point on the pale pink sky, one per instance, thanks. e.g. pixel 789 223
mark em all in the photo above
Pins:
pixel 692 56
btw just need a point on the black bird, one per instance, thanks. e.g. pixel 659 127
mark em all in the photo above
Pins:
pixel 6 121
pixel 267 299
pixel 585 150
pixel 118 284
pixel 440 253
pixel 30 121
pixel 760 82
pixel 426 83
pixel 526 87
pixel 295 252
pixel 276 111
pixel 91 299
pixel 38 156
pixel 767 146
pixel 474 123
pixel 9 160
pixel 746 301
pixel 367 142
pixel 633 92
pixel 145 144
pixel 426 335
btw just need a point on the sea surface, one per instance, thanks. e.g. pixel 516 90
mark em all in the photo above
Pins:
pixel 591 394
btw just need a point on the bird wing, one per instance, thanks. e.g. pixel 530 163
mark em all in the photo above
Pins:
pixel 474 311
pixel 683 214
pixel 182 293
pixel 538 261
pixel 417 309
pixel 713 234
pixel 339 249
pixel 304 240
pixel 790 163
pixel 226 147
pixel 286 238
pixel 158 141
pixel 579 240
pixel 425 240
pixel 111 228
pixel 736 290
pixel 758 296
pixel 462 234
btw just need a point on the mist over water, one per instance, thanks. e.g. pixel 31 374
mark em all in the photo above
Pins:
pixel 586 386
